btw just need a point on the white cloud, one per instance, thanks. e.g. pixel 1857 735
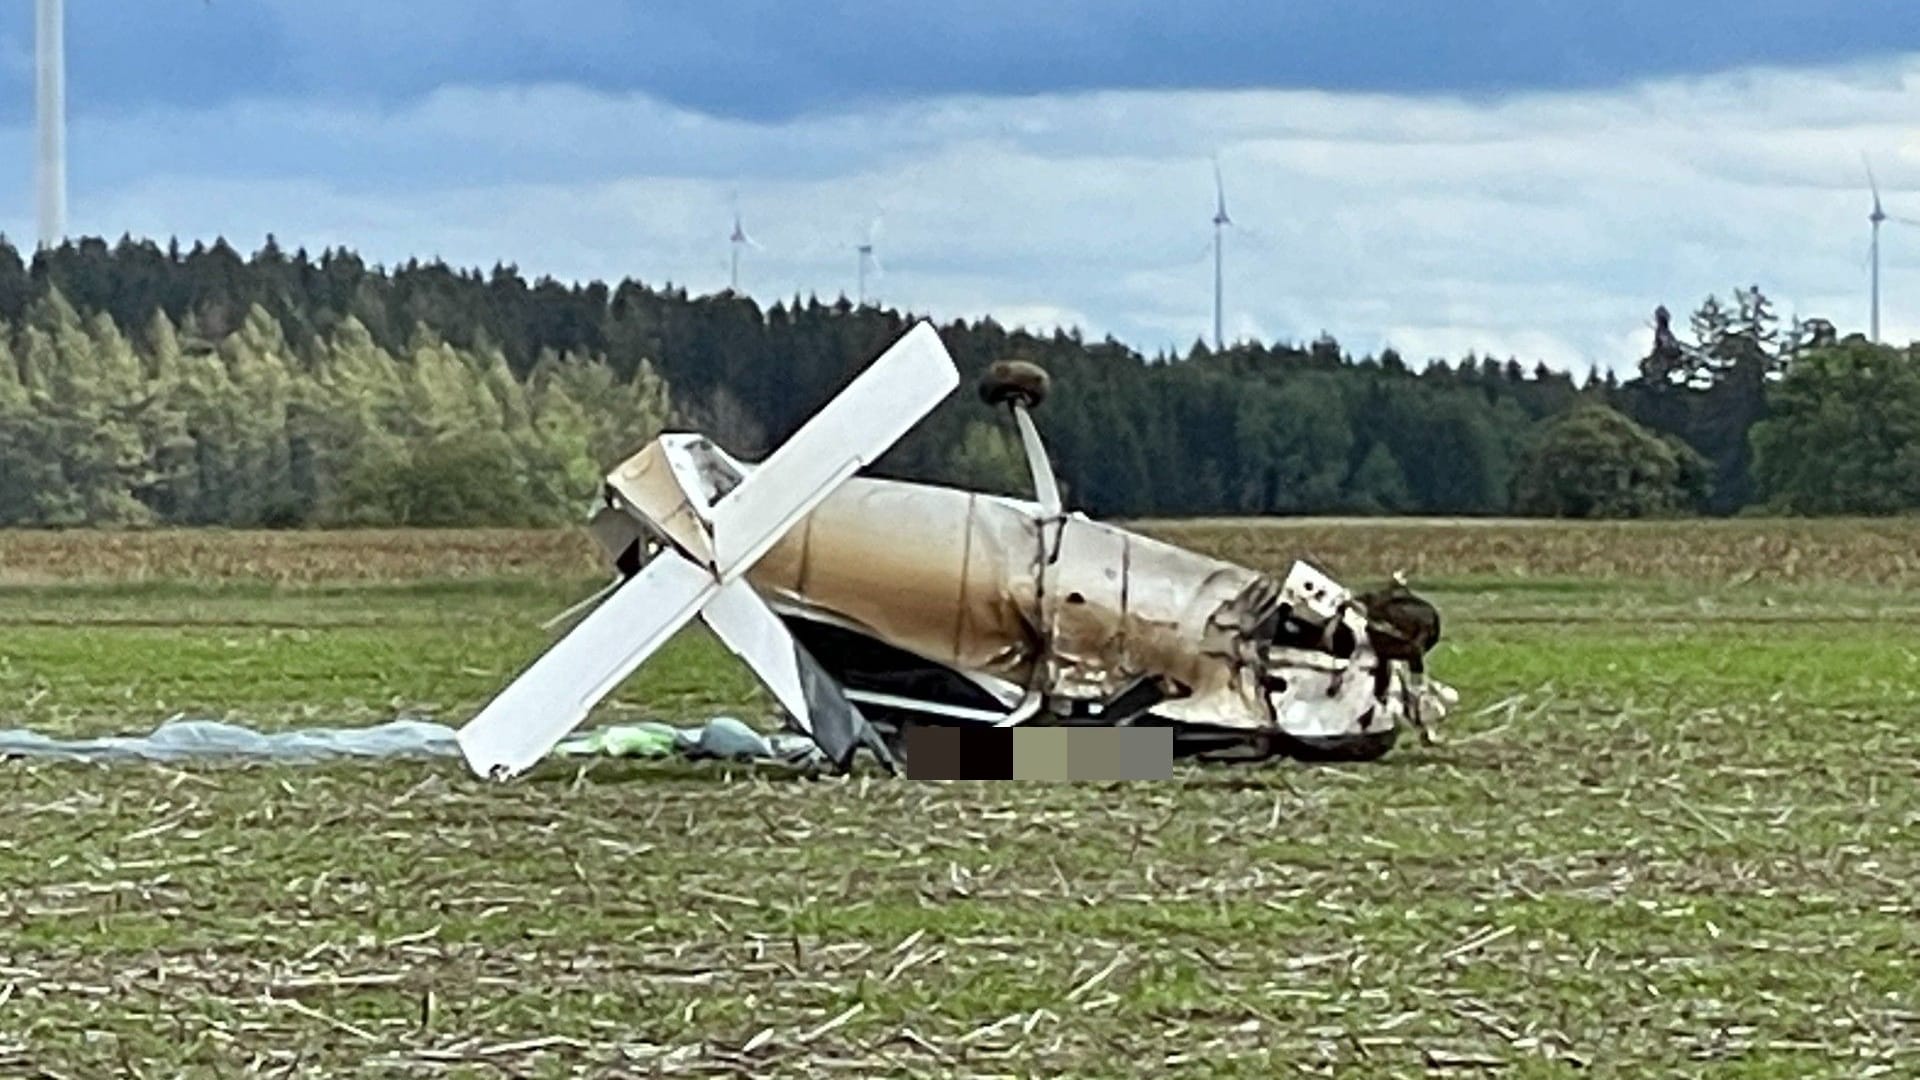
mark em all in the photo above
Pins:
pixel 1543 226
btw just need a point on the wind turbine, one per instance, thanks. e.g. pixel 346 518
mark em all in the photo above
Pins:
pixel 50 82
pixel 738 238
pixel 1876 217
pixel 865 250
pixel 1220 221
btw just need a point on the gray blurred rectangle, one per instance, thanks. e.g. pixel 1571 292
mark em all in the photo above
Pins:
pixel 1042 753
pixel 934 753
pixel 1055 754
pixel 1092 753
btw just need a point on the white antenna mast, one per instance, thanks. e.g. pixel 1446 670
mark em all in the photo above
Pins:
pixel 1220 221
pixel 50 70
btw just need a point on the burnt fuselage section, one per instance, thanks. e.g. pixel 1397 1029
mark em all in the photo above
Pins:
pixel 994 603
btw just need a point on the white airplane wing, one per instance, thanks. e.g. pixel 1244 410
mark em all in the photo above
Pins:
pixel 860 424
pixel 553 696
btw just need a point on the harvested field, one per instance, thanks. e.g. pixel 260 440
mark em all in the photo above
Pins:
pixel 1702 553
pixel 30 557
pixel 1882 551
pixel 1670 832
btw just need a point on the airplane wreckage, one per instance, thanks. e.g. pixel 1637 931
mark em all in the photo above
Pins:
pixel 867 606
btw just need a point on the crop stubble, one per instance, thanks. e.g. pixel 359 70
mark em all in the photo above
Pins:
pixel 1641 850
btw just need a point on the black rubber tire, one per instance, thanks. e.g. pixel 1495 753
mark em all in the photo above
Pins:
pixel 1009 381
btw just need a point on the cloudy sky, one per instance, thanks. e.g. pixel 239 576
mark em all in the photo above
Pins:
pixel 1505 176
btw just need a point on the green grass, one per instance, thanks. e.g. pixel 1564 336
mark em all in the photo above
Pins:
pixel 1669 831
pixel 99 659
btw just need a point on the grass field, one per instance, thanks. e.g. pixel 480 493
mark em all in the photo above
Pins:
pixel 1671 830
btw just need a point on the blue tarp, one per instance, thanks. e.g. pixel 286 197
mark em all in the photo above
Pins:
pixel 186 739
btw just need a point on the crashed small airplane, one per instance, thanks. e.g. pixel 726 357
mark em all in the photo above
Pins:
pixel 869 605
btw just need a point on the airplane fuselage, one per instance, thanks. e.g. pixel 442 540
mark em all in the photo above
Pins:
pixel 984 584
pixel 995 588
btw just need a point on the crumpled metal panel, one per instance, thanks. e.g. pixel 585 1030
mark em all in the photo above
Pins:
pixel 1119 606
pixel 1085 605
pixel 656 481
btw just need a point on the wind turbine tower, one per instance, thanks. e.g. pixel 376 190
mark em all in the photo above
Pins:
pixel 1220 221
pixel 50 82
pixel 1876 218
pixel 865 250
pixel 738 239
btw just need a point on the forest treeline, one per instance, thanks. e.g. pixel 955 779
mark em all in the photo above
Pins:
pixel 142 384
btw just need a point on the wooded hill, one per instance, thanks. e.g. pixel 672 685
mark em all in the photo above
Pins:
pixel 142 384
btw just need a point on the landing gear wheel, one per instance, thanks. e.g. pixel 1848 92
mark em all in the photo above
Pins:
pixel 1015 382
